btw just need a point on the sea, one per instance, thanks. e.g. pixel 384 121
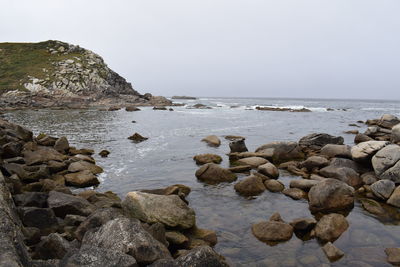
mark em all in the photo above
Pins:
pixel 166 158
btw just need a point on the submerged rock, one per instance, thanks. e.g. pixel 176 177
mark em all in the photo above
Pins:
pixel 332 252
pixel 303 224
pixel 272 231
pixel 212 140
pixel 250 186
pixel 330 227
pixel 168 210
pixel 207 158
pixel 274 185
pixel 212 173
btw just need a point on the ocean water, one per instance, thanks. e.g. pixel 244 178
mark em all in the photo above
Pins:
pixel 174 138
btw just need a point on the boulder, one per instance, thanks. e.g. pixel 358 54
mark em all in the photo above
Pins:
pixel 330 227
pixel 295 193
pixel 369 178
pixel 62 144
pixel 177 189
pixel 104 153
pixel 303 224
pixel 383 189
pixel 250 186
pixel 132 108
pixel 168 210
pixel 330 195
pixel 395 137
pixel 372 206
pixel 200 256
pixel 393 256
pixel 314 162
pixel 207 158
pixel 394 199
pixel 176 238
pixel 332 252
pixel 359 138
pixel 238 145
pixel 388 121
pixel 42 154
pixel 343 162
pixel 212 173
pixel 281 151
pixel 127 236
pixel 303 184
pixel 272 231
pixel 274 185
pixel 344 174
pixel 27 173
pixel 366 150
pixel 254 162
pixel 84 166
pixel 97 219
pixel 11 150
pixel 316 141
pixel 63 204
pixel 81 179
pixel 31 199
pixel 137 138
pixel 91 256
pixel 269 170
pixel 212 140
pixel 42 218
pixel 53 246
pixel 340 151
pixel 386 163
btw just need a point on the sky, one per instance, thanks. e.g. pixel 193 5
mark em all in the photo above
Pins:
pixel 231 48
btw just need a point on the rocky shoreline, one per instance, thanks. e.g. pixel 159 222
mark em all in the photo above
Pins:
pixel 47 221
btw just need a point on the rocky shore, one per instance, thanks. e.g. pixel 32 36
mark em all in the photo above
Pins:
pixel 332 177
pixel 50 218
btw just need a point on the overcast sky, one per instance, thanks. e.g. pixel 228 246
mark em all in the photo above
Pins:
pixel 251 48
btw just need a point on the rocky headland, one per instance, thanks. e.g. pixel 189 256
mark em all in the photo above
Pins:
pixel 57 74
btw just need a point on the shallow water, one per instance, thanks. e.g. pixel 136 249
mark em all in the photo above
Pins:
pixel 174 138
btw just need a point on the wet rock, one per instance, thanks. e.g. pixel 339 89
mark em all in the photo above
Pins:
pixel 53 246
pixel 330 195
pixel 62 144
pixel 281 151
pixel 42 154
pixel 212 140
pixel 386 163
pixel 366 150
pixel 372 206
pixel 137 138
pixel 272 231
pixel 42 218
pixel 81 179
pixel 84 166
pixel 316 141
pixel 212 173
pixel 383 189
pixel 207 158
pixel 359 138
pixel 168 210
pixel 254 162
pixel 238 145
pixel 330 227
pixel 104 153
pixel 250 186
pixel 314 162
pixel 332 252
pixel 295 193
pixel 393 255
pixel 127 236
pixel 344 174
pixel 395 137
pixel 202 236
pixel 132 108
pixel 91 256
pixel 63 204
pixel 394 199
pixel 303 224
pixel 340 151
pixel 369 178
pixel 274 185
pixel 97 219
pixel 159 108
pixel 303 184
pixel 31 199
pixel 269 170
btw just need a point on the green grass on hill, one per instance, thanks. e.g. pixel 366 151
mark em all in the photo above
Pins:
pixel 18 61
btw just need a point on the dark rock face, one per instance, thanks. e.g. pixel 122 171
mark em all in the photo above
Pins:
pixel 38 217
pixel 127 236
pixel 52 246
pixel 63 204
pixel 31 199
pixel 238 146
pixel 316 141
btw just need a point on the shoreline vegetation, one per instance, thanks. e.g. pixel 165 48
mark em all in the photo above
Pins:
pixel 57 225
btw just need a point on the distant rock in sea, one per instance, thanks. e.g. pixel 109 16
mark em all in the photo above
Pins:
pixel 184 97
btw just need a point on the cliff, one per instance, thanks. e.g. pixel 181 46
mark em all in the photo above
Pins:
pixel 54 73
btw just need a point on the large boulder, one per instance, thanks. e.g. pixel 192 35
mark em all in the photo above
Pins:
pixel 359 138
pixel 330 195
pixel 366 150
pixel 386 163
pixel 62 144
pixel 330 227
pixel 168 210
pixel 42 218
pixel 269 170
pixel 42 154
pixel 395 137
pixel 316 141
pixel 213 174
pixel 250 186
pixel 273 230
pixel 81 179
pixel 340 151
pixel 63 204
pixel 90 256
pixel 343 162
pixel 344 174
pixel 388 121
pixel 394 199
pixel 31 199
pixel 84 166
pixel 253 162
pixel 127 236
pixel 281 151
pixel 212 140
pixel 383 188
